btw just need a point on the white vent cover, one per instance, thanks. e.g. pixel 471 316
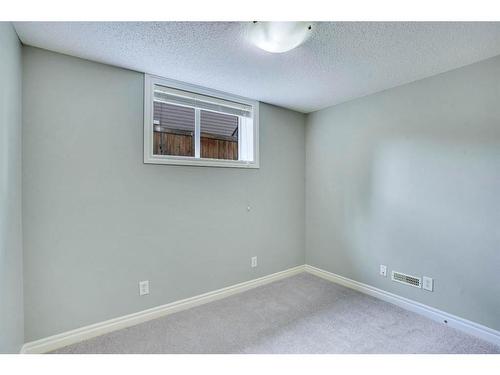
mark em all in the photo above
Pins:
pixel 406 279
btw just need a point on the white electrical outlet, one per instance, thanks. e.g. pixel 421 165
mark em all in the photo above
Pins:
pixel 383 270
pixel 428 283
pixel 143 287
pixel 254 262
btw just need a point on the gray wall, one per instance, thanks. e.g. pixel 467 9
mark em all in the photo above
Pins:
pixel 410 178
pixel 11 251
pixel 97 220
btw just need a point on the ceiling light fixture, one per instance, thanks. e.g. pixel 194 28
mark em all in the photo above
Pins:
pixel 278 37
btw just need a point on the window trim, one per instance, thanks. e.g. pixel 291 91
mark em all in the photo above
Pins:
pixel 150 158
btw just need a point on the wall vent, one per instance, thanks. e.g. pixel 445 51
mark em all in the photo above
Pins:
pixel 406 279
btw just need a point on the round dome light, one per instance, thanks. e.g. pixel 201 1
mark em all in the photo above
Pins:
pixel 278 37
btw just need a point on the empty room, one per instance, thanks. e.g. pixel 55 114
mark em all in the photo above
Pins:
pixel 250 187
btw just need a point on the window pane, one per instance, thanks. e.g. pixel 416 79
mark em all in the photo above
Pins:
pixel 173 130
pixel 246 139
pixel 219 135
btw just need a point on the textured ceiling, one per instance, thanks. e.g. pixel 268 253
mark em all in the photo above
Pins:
pixel 341 61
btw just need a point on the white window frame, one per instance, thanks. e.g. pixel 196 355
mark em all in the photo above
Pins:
pixel 149 158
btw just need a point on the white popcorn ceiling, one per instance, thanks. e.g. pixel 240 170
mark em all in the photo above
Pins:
pixel 340 61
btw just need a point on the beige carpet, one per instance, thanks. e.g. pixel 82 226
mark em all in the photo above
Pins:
pixel 300 314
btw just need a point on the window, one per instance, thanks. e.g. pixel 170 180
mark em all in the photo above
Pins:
pixel 173 130
pixel 189 125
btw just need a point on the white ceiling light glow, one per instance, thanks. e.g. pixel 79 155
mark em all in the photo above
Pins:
pixel 278 37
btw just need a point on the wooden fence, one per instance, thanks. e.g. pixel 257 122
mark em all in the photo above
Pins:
pixel 181 143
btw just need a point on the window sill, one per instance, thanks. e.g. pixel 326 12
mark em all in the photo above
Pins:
pixel 199 162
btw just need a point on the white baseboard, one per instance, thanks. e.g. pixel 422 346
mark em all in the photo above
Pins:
pixel 454 321
pixel 84 333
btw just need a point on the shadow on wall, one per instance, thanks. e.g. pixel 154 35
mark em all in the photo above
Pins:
pixel 433 199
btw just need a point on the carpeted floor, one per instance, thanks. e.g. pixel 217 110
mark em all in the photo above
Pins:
pixel 300 314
